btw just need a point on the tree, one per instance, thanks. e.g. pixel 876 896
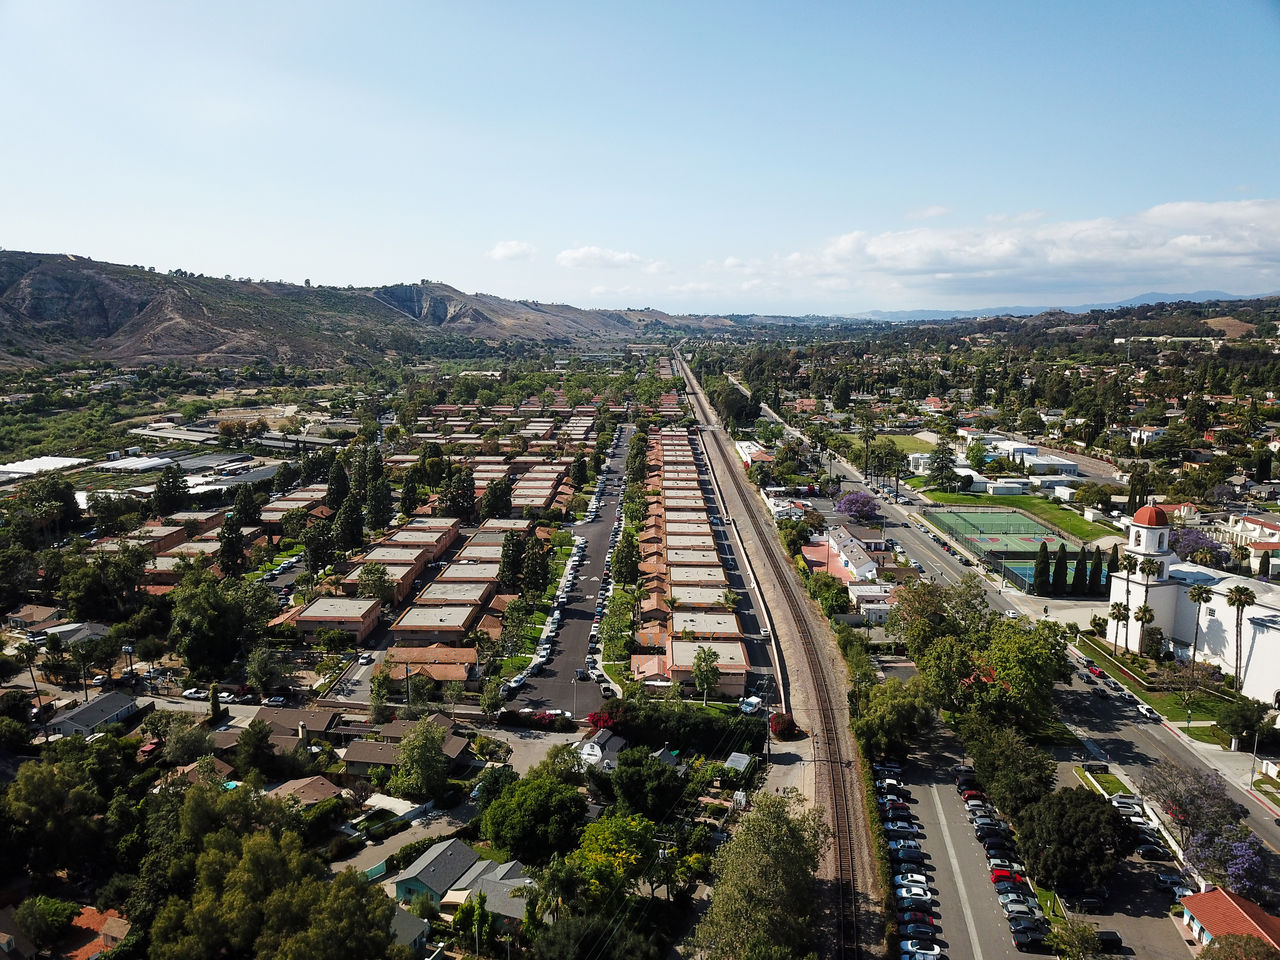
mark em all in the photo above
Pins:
pixel 861 507
pixel 261 894
pixel 705 673
pixel 536 818
pixel 598 936
pixel 1199 595
pixel 1118 612
pixel 942 467
pixel 491 785
pixel 511 562
pixel 614 854
pixel 1129 564
pixel 1073 838
pixel 421 774
pixel 1073 939
pixel 496 499
pixel 1014 773
pixel 317 541
pixel 458 498
pixel 1196 800
pixel 378 505
pixel 1059 585
pixel 626 558
pixel 491 698
pixel 246 510
pixel 27 654
pixel 535 569
pixel 231 558
pixel 1238 946
pixel 348 524
pixel 1241 717
pixel 453 692
pixel 894 715
pixel 765 903
pixel 171 493
pixel 976 456
pixel 1095 574
pixel 1240 598
pixel 186 743
pixel 374 581
pixel 339 486
pixel 1231 857
pixel 254 749
pixel 1040 584
pixel 1080 575
pixel 578 472
pixel 261 670
pixel 644 785
pixel 45 920
pixel 213 619
pixel 1143 616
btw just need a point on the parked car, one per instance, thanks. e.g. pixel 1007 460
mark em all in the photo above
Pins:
pixel 907 856
pixel 914 916
pixel 900 828
pixel 1000 863
pixel 904 845
pixel 1151 851
pixel 920 948
pixel 1008 886
pixel 98 681
pixel 911 880
pixel 911 893
pixel 1026 940
pixel 998 875
pixel 225 696
pixel 194 693
pixel 274 702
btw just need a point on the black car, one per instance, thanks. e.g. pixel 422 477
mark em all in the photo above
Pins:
pixel 1028 941
pixel 1151 851
pixel 1027 925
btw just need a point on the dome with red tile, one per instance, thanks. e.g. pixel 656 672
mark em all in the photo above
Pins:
pixel 1150 516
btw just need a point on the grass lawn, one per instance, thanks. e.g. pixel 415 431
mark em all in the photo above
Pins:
pixel 916 483
pixel 1051 513
pixel 619 673
pixel 1169 705
pixel 905 443
pixel 1054 733
pixel 1110 783
pixel 1212 734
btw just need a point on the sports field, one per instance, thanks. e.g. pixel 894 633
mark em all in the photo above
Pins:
pixel 1005 532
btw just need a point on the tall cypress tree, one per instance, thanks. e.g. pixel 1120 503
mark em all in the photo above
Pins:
pixel 1080 576
pixel 1113 562
pixel 1095 574
pixel 1040 582
pixel 1059 585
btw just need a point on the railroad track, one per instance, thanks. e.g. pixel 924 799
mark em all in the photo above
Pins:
pixel 832 762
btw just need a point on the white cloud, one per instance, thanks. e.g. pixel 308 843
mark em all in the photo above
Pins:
pixel 657 268
pixel 511 250
pixel 928 213
pixel 596 257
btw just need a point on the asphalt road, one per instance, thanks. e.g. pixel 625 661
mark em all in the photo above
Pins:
pixel 555 687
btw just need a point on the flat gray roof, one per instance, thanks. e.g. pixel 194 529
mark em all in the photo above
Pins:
pixel 436 616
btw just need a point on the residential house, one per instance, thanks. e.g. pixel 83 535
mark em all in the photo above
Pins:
pixel 357 617
pixel 411 931
pixel 435 872
pixel 305 793
pixel 601 749
pixel 361 756
pixel 90 717
pixel 1221 912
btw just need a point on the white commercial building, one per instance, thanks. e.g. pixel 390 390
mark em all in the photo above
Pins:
pixel 1166 593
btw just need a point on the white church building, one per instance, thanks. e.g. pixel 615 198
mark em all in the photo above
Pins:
pixel 1166 594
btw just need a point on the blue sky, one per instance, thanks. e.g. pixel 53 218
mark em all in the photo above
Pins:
pixel 696 157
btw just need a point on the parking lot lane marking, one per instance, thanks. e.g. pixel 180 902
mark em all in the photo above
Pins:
pixel 974 944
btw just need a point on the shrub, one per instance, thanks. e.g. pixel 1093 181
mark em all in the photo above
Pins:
pixel 782 725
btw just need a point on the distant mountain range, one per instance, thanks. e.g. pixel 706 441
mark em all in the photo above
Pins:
pixel 58 307
pixel 918 316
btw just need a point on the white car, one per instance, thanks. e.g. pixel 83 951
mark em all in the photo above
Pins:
pixel 911 893
pixel 911 880
pixel 920 948
pixel 225 696
pixel 195 693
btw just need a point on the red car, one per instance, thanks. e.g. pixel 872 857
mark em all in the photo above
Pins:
pixel 974 795
pixel 998 875
pixel 1098 672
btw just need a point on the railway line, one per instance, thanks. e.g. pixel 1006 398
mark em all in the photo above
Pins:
pixel 836 783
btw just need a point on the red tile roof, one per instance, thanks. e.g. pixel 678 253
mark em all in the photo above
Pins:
pixel 1220 911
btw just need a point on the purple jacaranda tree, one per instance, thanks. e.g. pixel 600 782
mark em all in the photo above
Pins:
pixel 1231 858
pixel 858 506
pixel 1198 547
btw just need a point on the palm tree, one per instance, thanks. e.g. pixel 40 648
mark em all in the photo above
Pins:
pixel 1239 554
pixel 82 657
pixel 1119 611
pixel 1148 568
pixel 1129 564
pixel 1143 615
pixel 1199 595
pixel 1240 598
pixel 27 653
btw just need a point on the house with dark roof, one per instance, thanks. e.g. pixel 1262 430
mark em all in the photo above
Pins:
pixel 106 708
pixel 601 749
pixel 1219 912
pixel 361 756
pixel 410 931
pixel 306 792
pixel 436 871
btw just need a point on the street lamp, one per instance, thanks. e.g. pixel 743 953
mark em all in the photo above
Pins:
pixel 1253 761
pixel 573 682
pixel 1188 721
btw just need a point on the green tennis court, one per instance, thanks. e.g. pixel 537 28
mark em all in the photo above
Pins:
pixel 1005 532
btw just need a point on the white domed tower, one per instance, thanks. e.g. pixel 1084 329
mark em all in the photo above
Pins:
pixel 1148 541
pixel 1149 538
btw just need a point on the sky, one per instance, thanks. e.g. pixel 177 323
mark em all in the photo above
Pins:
pixel 697 157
